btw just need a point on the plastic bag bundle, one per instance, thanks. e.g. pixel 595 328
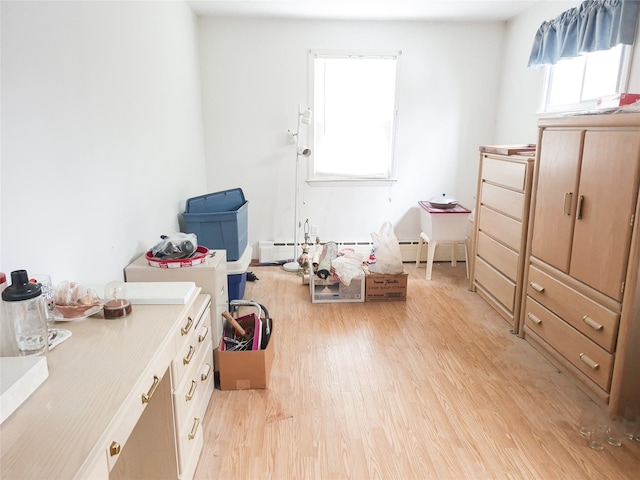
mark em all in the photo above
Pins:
pixel 175 246
pixel 347 267
pixel 387 251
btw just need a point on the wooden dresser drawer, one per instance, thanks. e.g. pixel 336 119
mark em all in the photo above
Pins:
pixel 496 225
pixel 586 315
pixel 501 287
pixel 504 172
pixel 592 360
pixel 503 200
pixel 497 255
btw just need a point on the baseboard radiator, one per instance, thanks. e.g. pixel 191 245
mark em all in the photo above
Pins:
pixel 274 252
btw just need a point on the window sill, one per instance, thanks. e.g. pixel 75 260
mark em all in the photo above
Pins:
pixel 351 182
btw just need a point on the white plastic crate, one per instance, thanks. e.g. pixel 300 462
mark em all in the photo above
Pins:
pixel 335 292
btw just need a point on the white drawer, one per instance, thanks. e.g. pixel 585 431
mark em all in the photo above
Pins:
pixel 187 344
pixel 207 382
pixel 187 395
pixel 190 442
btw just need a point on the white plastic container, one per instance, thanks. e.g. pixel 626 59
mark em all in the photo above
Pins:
pixel 237 275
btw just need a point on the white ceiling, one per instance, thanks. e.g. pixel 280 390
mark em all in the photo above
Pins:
pixel 456 10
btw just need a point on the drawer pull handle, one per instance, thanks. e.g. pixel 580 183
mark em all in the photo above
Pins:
pixel 592 323
pixel 146 397
pixel 192 391
pixel 194 429
pixel 566 206
pixel 184 330
pixel 202 336
pixel 114 449
pixel 537 287
pixel 590 363
pixel 579 209
pixel 533 318
pixel 204 376
pixel 186 360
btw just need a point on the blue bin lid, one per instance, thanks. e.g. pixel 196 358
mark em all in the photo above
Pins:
pixel 225 201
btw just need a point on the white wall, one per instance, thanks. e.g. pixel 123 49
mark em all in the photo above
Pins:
pixel 521 87
pixel 255 73
pixel 101 133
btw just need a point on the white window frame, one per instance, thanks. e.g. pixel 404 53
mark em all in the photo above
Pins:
pixel 324 179
pixel 624 69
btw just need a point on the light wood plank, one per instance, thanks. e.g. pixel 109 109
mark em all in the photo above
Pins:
pixel 434 387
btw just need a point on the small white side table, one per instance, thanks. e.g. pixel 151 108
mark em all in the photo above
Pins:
pixel 442 226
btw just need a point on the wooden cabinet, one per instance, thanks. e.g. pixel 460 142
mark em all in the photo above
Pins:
pixel 210 275
pixel 586 198
pixel 502 212
pixel 583 299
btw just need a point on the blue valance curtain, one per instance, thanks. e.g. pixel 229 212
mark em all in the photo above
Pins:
pixel 594 25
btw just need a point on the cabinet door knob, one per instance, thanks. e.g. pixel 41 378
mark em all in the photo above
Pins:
pixel 533 318
pixel 590 363
pixel 566 205
pixel 537 287
pixel 579 209
pixel 592 323
pixel 205 375
pixel 192 391
pixel 203 334
pixel 184 330
pixel 194 429
pixel 186 360
pixel 146 397
pixel 114 449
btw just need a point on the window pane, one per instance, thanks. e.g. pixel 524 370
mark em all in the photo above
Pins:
pixel 566 81
pixel 601 74
pixel 576 83
pixel 354 103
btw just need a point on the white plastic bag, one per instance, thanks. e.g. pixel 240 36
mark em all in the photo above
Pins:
pixel 387 251
pixel 347 267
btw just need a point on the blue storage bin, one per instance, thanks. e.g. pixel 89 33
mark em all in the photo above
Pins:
pixel 219 220
pixel 225 201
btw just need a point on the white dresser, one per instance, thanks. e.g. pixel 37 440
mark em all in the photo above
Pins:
pixel 125 398
pixel 210 276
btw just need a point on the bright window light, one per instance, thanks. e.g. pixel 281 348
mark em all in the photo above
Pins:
pixel 577 83
pixel 354 111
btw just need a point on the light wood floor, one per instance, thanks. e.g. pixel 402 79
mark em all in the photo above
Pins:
pixel 435 387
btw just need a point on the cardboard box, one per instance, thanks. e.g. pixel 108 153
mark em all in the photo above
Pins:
pixel 386 288
pixel 335 292
pixel 247 369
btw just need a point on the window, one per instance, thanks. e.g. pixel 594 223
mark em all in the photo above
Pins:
pixel 354 112
pixel 576 83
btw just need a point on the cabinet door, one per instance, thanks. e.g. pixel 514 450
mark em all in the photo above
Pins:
pixel 606 204
pixel 556 197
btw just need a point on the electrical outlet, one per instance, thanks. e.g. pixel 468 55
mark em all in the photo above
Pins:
pixel 315 230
